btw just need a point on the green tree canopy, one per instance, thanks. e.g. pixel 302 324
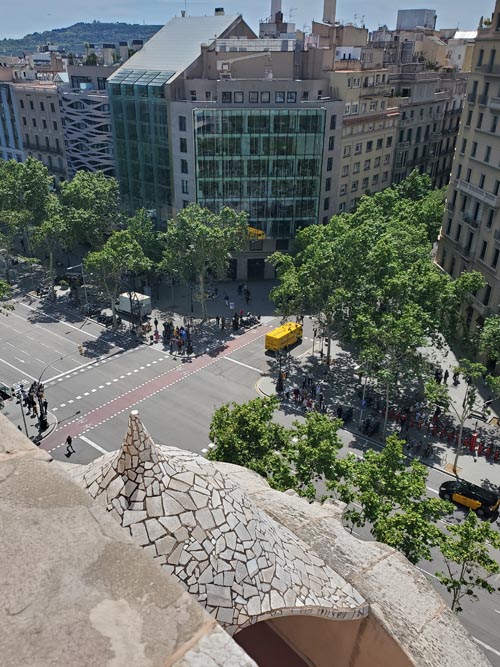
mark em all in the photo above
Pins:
pixel 120 254
pixel 198 243
pixel 289 458
pixel 25 187
pixel 391 498
pixel 468 560
pixel 51 236
pixel 489 339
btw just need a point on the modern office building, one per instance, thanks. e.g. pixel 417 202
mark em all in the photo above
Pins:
pixel 240 121
pixel 84 104
pixel 470 236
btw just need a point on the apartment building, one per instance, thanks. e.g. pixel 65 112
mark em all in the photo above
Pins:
pixel 11 145
pixel 40 122
pixel 430 106
pixel 244 122
pixel 470 236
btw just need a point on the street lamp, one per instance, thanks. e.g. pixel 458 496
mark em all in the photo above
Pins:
pixel 80 266
pixel 279 383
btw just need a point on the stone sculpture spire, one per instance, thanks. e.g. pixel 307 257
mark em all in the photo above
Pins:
pixel 138 449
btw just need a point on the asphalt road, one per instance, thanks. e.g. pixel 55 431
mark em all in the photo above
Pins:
pixel 91 397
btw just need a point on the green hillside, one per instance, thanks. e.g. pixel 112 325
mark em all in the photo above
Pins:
pixel 75 36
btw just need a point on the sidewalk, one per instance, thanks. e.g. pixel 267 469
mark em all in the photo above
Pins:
pixel 477 469
pixel 29 425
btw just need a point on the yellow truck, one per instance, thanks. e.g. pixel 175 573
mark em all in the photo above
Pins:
pixel 284 336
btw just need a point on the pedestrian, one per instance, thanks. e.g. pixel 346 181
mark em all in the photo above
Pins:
pixel 339 411
pixel 69 447
pixel 45 405
pixel 156 323
pixel 247 297
pixel 217 320
pixel 222 323
pixel 446 376
pixel 456 376
pixel 226 300
pixel 321 398
pixel 171 346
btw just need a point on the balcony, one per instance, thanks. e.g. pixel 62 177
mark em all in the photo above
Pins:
pixel 374 90
pixel 497 234
pixel 489 69
pixel 482 100
pixel 482 195
pixel 494 103
pixel 471 221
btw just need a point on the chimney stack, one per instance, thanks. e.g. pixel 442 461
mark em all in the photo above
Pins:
pixel 329 7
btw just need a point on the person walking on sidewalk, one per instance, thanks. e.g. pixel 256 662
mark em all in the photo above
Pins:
pixel 217 321
pixel 446 376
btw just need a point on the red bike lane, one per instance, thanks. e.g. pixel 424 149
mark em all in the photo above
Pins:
pixel 132 397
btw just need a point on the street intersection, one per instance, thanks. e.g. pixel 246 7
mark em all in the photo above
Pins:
pixel 90 396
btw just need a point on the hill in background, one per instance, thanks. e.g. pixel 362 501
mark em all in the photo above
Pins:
pixel 73 38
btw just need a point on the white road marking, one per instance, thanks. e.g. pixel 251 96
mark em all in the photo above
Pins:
pixel 486 646
pixel 7 343
pixel 496 611
pixel 21 360
pixel 58 320
pixel 18 370
pixel 78 398
pixel 86 393
pixel 93 444
pixel 63 405
pixel 240 363
pixel 431 489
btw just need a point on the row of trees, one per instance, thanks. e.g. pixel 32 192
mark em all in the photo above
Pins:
pixel 84 217
pixel 381 490
pixel 369 278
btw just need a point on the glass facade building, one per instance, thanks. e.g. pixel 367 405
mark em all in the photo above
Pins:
pixel 140 133
pixel 266 162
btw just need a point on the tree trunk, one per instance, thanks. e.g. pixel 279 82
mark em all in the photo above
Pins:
pixel 203 300
pixel 51 275
pixel 459 446
pixel 386 417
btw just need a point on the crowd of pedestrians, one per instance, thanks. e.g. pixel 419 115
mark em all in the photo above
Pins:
pixel 33 399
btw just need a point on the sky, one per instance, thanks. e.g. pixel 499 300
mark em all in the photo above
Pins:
pixel 38 16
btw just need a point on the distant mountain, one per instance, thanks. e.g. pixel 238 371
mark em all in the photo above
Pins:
pixel 75 36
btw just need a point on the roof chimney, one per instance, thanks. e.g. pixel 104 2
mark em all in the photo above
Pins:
pixel 219 11
pixel 329 7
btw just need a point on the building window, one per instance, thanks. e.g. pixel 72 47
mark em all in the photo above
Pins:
pixel 494 262
pixel 345 170
pixel 448 226
pixel 347 151
pixel 253 97
pixel 388 142
pixel 385 176
pixel 265 97
pixel 21 104
pixel 192 95
pixel 494 123
pixel 342 207
pixel 354 186
pixel 376 162
pixel 24 120
pixel 256 246
pixel 469 118
pixel 184 167
pixel 227 97
pixel 183 146
pixel 333 122
pixel 468 175
pixel 343 190
pixel 208 96
pixel 489 222
pixel 33 120
pixel 331 143
pixel 487 154
pixel 326 204
pixel 375 179
pixel 42 106
pixel 32 106
pixel 464 146
pixel 480 57
pixel 480 120
pixel 483 250
pixel 369 146
pixel 185 203
pixel 487 294
pixel 305 95
pixel 387 158
pixel 474 149
pixel 279 97
pixel 380 144
pixel 185 189
pixel 328 184
pixel 367 165
pixel 357 149
pixel 458 232
pixel 182 123
pixel 364 184
pixel 329 164
pixel 44 123
pixel 54 124
pixel 482 178
pixel 356 167
pixel 238 97
pixel 291 97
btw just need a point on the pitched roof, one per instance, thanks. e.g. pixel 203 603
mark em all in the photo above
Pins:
pixel 177 44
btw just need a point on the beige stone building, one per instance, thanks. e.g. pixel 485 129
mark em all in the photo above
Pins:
pixel 470 236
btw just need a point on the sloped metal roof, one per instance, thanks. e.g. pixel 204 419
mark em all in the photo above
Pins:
pixel 177 44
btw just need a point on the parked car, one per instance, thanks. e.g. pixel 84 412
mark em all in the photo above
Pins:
pixel 483 501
